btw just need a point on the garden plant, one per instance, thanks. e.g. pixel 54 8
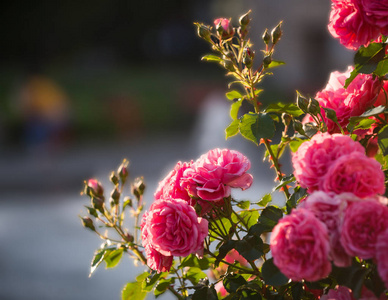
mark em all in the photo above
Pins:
pixel 330 238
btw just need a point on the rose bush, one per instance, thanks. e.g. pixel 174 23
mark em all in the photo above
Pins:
pixel 327 240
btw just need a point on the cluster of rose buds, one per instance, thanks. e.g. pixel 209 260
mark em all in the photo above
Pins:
pixel 233 48
pixel 110 213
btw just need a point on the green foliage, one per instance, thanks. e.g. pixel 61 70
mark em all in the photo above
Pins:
pixel 363 121
pixel 257 126
pixel 272 275
pixel 250 247
pixel 163 286
pixel 367 60
pixel 133 291
pixel 270 216
pixel 267 198
pixel 212 57
pixel 299 193
pixel 234 95
pixel 232 129
pixel 234 108
pixel 289 108
pixel 193 261
pixel 233 281
pixel 110 254
pixel 149 282
pixel 382 138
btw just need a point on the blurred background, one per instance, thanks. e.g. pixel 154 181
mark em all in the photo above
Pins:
pixel 84 84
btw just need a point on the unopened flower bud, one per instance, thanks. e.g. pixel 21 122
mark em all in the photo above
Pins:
pixel 138 187
pixel 298 127
pixel 248 56
pixel 94 188
pixel 115 196
pixel 267 60
pixel 228 65
pixel 302 102
pixel 98 204
pixel 313 107
pixel 203 32
pixel 286 118
pixel 266 37
pixel 276 33
pixel 224 28
pixel 113 178
pixel 244 19
pixel 123 171
pixel 129 237
pixel 88 223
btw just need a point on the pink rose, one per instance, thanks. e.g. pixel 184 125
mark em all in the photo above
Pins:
pixel 313 158
pixel 329 209
pixel 382 256
pixel 157 261
pixel 340 293
pixel 361 93
pixel 228 165
pixel 172 228
pixel 364 221
pixel 209 179
pixel 376 13
pixel 354 173
pixel 170 186
pixel 300 246
pixel 349 25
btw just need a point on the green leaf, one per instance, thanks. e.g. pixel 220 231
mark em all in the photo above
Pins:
pixel 233 95
pixel 211 57
pixel 232 129
pixel 234 108
pixel 382 68
pixel 149 282
pixel 275 63
pixel 365 124
pixel 265 200
pixel 163 286
pixel 233 281
pixel 100 255
pixel 224 249
pixel 382 138
pixel 272 275
pixel 295 144
pixel 255 126
pixel 113 258
pixel 205 293
pixel 195 274
pixel 270 216
pixel 244 204
pixel 249 217
pixel 298 194
pixel 285 181
pixel 133 291
pixel 366 60
pixel 141 277
pixel 250 247
pixel 193 261
pixel 289 108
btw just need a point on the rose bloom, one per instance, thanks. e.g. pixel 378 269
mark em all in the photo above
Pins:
pixel 329 209
pixel 382 256
pixel 376 13
pixel 300 246
pixel 170 186
pixel 349 25
pixel 172 228
pixel 361 93
pixel 157 261
pixel 364 221
pixel 313 158
pixel 340 293
pixel 355 173
pixel 209 179
pixel 220 289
